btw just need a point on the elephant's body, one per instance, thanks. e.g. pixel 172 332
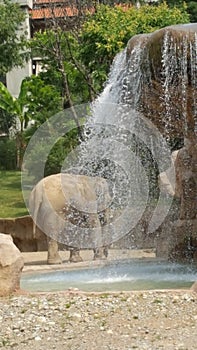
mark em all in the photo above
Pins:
pixel 64 198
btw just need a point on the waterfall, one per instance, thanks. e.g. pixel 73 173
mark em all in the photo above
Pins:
pixel 147 107
pixel 121 143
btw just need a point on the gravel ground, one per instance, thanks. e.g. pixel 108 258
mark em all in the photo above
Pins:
pixel 118 321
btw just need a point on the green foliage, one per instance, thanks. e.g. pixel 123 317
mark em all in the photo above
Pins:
pixel 36 101
pixel 84 56
pixel 56 155
pixel 59 152
pixel 12 44
pixel 42 100
pixel 191 7
pixel 15 107
pixel 47 45
pixel 7 154
pixel 109 29
pixel 192 10
pixel 6 121
pixel 59 50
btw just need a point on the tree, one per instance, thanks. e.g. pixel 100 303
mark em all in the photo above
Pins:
pixel 42 100
pixel 191 7
pixel 192 10
pixel 12 41
pixel 15 107
pixel 107 32
pixel 36 102
pixel 6 121
pixel 57 45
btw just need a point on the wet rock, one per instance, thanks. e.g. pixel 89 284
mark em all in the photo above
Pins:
pixel 169 115
pixel 177 241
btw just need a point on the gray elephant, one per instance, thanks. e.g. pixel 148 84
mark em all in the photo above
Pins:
pixel 62 205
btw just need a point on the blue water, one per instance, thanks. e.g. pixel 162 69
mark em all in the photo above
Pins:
pixel 117 276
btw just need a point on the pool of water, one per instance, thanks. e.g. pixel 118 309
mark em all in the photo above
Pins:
pixel 115 276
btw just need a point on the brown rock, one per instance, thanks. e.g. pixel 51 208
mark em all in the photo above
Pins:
pixel 166 179
pixel 186 179
pixel 11 265
pixel 178 241
pixel 164 106
pixel 194 287
pixel 21 230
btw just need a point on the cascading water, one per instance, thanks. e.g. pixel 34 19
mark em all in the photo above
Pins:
pixel 147 108
pixel 153 79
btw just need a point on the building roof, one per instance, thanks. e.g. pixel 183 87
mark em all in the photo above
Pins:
pixel 45 12
pixel 43 9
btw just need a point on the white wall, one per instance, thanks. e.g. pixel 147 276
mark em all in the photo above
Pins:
pixel 15 77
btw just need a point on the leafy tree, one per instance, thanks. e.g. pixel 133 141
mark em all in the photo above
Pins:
pixel 57 47
pixel 191 7
pixel 59 152
pixel 8 154
pixel 192 10
pixel 15 107
pixel 6 122
pixel 12 41
pixel 58 51
pixel 107 32
pixel 36 101
pixel 42 100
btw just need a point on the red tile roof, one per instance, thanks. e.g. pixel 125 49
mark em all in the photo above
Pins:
pixel 50 12
pixel 35 2
pixel 59 8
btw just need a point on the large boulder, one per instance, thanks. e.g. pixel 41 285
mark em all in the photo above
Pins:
pixel 166 80
pixel 166 94
pixel 186 178
pixel 21 230
pixel 11 265
pixel 194 287
pixel 177 241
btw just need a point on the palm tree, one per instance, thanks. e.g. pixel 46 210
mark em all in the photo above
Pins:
pixel 17 108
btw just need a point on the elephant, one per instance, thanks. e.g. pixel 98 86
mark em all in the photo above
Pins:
pixel 62 201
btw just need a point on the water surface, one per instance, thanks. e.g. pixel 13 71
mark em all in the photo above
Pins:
pixel 115 276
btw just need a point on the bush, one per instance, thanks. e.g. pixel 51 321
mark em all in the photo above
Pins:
pixel 56 155
pixel 7 154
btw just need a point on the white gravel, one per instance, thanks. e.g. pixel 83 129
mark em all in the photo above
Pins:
pixel 150 320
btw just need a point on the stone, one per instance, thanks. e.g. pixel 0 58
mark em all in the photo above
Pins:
pixel 166 179
pixel 11 265
pixel 21 230
pixel 177 241
pixel 169 115
pixel 186 178
pixel 194 287
pixel 163 77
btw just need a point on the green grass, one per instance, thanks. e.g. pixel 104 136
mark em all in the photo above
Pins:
pixel 11 198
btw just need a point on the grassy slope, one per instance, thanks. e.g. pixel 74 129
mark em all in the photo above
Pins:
pixel 11 198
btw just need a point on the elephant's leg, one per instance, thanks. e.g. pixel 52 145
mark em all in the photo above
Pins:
pixel 75 255
pixel 53 254
pixel 100 253
pixel 105 251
